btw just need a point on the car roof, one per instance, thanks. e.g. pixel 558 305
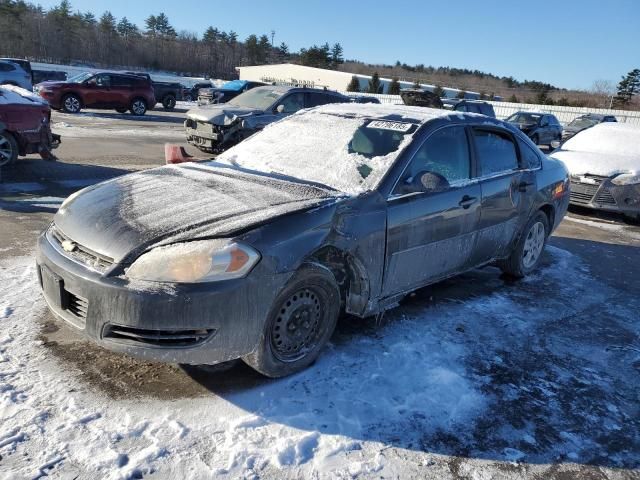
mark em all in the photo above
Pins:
pixel 398 113
pixel 287 88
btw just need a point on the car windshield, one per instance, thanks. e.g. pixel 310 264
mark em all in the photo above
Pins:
pixel 526 118
pixel 80 77
pixel 583 122
pixel 234 85
pixel 345 153
pixel 258 98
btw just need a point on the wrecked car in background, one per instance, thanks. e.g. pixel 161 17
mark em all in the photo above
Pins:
pixel 25 125
pixel 583 122
pixel 343 208
pixel 604 163
pixel 214 128
pixel 225 93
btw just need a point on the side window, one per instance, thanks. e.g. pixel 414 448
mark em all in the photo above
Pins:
pixel 292 103
pixel 316 99
pixel 103 80
pixel 530 158
pixel 6 67
pixel 461 108
pixel 444 156
pixel 118 81
pixel 496 152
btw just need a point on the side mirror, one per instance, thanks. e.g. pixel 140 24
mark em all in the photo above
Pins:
pixel 555 144
pixel 280 108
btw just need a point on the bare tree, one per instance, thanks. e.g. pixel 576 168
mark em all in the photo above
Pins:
pixel 605 89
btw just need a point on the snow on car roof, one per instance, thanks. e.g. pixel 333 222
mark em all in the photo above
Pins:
pixel 374 110
pixel 11 95
pixel 605 149
pixel 610 137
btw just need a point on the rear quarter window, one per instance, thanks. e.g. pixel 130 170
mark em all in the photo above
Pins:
pixel 530 158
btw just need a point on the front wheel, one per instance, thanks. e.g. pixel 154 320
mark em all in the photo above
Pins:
pixel 169 102
pixel 528 251
pixel 300 322
pixel 138 107
pixel 8 148
pixel 71 103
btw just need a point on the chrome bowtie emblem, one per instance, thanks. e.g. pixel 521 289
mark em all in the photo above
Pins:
pixel 68 246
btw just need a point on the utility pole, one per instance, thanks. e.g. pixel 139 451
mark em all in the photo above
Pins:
pixel 273 34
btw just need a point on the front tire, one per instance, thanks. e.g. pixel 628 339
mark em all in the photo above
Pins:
pixel 169 102
pixel 8 148
pixel 138 107
pixel 300 322
pixel 71 103
pixel 528 251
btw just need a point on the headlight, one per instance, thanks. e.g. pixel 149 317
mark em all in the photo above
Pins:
pixel 627 179
pixel 195 262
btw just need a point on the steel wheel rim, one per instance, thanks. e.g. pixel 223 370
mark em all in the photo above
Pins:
pixel 533 245
pixel 72 104
pixel 138 107
pixel 6 151
pixel 296 328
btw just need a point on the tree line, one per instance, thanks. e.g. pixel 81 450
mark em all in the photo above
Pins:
pixel 64 36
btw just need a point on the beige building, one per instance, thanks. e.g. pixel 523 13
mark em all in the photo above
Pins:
pixel 289 73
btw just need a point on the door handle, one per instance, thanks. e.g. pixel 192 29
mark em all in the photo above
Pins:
pixel 522 186
pixel 467 201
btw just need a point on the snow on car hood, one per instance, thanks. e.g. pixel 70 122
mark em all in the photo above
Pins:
pixel 223 114
pixel 605 149
pixel 11 95
pixel 177 203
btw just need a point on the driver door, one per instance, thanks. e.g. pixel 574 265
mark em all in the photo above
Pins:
pixel 431 232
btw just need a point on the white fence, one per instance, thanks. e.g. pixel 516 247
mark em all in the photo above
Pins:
pixel 503 109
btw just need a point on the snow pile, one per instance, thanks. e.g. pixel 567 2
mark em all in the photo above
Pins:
pixel 605 149
pixel 10 95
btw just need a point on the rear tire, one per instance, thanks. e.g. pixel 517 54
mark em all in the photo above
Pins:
pixel 169 102
pixel 71 103
pixel 8 148
pixel 526 255
pixel 301 321
pixel 138 107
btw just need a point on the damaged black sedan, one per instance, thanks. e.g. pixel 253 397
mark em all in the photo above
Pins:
pixel 344 208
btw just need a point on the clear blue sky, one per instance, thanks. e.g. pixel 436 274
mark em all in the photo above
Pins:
pixel 569 43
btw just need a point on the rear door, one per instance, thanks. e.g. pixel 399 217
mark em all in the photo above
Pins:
pixel 508 188
pixel 431 233
pixel 121 90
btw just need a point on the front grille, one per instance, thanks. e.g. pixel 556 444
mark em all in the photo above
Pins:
pixel 78 306
pixel 157 338
pixel 585 193
pixel 78 252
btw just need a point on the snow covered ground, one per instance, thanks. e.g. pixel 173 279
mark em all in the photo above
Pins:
pixel 504 381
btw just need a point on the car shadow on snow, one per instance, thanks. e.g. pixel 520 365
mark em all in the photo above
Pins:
pixel 34 185
pixel 542 370
pixel 162 116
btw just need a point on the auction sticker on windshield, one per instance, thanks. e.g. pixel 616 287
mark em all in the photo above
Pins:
pixel 395 126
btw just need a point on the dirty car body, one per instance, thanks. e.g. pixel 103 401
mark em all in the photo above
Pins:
pixel 25 125
pixel 216 127
pixel 363 219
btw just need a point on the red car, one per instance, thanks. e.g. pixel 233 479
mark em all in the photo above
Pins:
pixel 105 90
pixel 24 125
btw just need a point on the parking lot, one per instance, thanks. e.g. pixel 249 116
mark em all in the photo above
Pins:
pixel 537 377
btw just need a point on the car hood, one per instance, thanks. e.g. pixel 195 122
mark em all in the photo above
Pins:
pixel 54 83
pixel 223 114
pixel 123 217
pixel 605 165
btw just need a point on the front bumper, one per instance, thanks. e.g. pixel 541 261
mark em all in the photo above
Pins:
pixel 600 193
pixel 182 323
pixel 203 135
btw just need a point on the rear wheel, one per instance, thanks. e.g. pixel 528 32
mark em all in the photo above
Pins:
pixel 528 251
pixel 8 148
pixel 169 102
pixel 71 103
pixel 301 321
pixel 138 107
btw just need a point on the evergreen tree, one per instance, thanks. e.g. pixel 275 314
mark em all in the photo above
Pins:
pixel 336 56
pixel 439 91
pixel 628 87
pixel 107 24
pixel 253 50
pixel 354 85
pixel 151 24
pixel 513 98
pixel 394 86
pixel 210 35
pixel 374 84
